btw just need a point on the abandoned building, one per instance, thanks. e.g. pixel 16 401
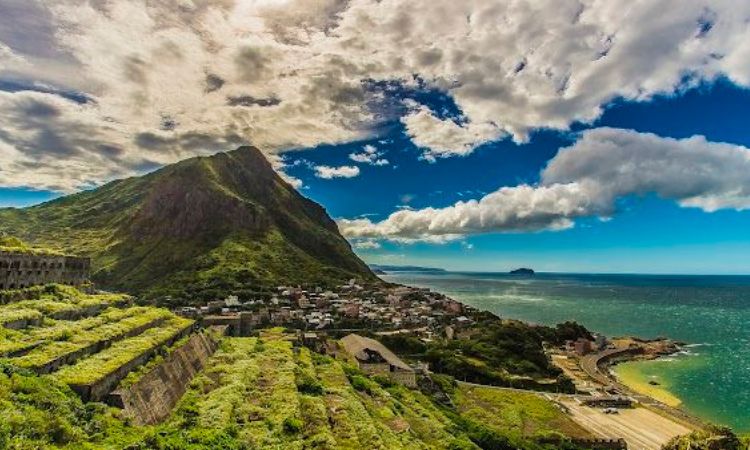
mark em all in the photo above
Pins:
pixel 21 270
pixel 374 358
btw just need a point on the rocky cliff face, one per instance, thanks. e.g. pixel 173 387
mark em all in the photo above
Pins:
pixel 202 227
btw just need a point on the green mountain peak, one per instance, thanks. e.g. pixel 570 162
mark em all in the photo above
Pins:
pixel 200 228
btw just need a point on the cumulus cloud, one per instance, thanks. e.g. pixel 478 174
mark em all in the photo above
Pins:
pixel 369 155
pixel 693 171
pixel 328 172
pixel 584 180
pixel 366 244
pixel 444 137
pixel 294 73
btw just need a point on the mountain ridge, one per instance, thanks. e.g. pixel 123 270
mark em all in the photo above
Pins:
pixel 228 221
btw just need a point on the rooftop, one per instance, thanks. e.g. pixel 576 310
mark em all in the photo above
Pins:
pixel 356 345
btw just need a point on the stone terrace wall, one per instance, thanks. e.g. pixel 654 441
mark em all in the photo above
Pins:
pixel 100 389
pixel 151 399
pixel 22 270
pixel 95 347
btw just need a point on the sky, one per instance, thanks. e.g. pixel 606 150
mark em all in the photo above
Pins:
pixel 563 135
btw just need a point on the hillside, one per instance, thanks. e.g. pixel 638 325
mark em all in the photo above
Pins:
pixel 201 227
pixel 254 393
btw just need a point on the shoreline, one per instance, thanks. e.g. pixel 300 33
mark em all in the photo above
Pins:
pixel 600 372
pixel 656 398
pixel 627 374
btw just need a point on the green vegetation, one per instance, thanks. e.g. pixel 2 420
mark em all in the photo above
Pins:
pixel 515 413
pixel 15 245
pixel 712 438
pixel 110 331
pixel 64 300
pixel 200 229
pixel 162 353
pixel 494 352
pixel 255 393
pixel 60 330
pixel 40 412
pixel 101 364
pixel 16 314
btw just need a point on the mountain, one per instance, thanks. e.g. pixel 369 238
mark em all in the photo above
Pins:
pixel 201 227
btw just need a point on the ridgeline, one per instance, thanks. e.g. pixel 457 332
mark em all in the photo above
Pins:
pixel 200 228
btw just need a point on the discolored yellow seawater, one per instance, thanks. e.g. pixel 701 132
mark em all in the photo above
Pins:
pixel 637 376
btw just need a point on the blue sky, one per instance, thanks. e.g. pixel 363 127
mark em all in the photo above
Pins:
pixel 557 134
pixel 648 235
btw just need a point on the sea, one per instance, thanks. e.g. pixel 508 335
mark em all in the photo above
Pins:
pixel 711 314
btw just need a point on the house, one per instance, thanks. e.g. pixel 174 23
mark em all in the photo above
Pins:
pixel 314 341
pixel 374 358
pixel 582 346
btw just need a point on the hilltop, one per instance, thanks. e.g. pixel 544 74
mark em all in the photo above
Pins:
pixel 202 227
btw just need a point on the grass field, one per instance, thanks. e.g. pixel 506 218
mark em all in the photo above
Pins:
pixel 516 413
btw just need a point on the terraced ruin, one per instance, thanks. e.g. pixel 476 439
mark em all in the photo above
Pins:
pixel 89 342
pixel 97 371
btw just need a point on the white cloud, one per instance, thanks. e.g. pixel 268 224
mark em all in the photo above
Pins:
pixel 584 180
pixel 169 80
pixel 692 171
pixel 328 172
pixel 444 137
pixel 369 155
pixel 366 244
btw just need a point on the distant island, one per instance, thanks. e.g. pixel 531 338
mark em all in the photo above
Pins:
pixel 522 271
pixel 383 269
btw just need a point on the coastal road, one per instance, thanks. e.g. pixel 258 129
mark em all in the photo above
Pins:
pixel 641 428
pixel 592 366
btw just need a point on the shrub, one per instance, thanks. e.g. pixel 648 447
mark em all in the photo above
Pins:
pixel 712 438
pixel 292 425
pixel 306 384
pixel 383 381
pixel 361 384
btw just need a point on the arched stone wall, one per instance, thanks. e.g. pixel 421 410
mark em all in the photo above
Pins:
pixel 22 270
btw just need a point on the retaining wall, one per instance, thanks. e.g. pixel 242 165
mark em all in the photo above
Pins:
pixel 151 399
pixel 101 388
pixel 23 323
pixel 96 347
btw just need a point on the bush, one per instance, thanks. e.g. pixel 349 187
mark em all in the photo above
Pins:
pixel 292 425
pixel 446 383
pixel 361 384
pixel 306 384
pixel 383 381
pixel 712 438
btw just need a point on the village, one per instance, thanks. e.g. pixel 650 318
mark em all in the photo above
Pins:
pixel 350 307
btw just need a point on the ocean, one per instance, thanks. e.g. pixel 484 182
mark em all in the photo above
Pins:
pixel 710 313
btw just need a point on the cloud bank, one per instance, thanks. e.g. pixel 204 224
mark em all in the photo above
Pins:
pixel 165 80
pixel 584 180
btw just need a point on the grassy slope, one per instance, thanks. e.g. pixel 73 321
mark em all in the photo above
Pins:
pixel 256 393
pixel 203 225
pixel 515 413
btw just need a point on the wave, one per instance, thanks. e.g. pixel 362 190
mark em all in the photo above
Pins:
pixel 705 344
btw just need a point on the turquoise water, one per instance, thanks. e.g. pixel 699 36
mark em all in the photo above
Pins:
pixel 711 313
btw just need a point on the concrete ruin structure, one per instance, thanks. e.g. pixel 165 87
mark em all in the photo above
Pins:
pixel 374 358
pixel 20 270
